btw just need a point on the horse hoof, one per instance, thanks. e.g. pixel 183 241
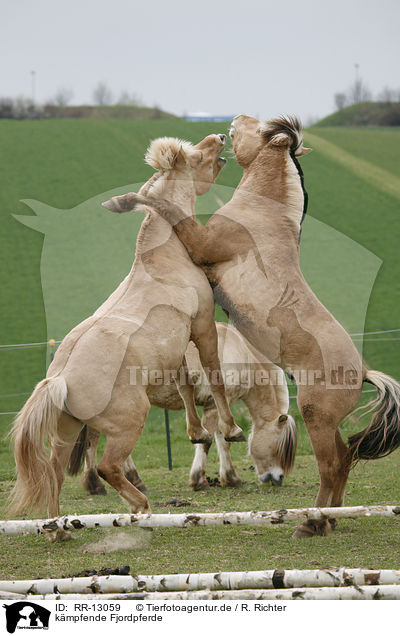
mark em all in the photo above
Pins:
pixel 145 509
pixel 207 439
pixel 200 485
pixel 133 477
pixel 313 528
pixel 238 437
pixel 141 486
pixel 92 482
pixel 230 480
pixel 333 523
pixel 58 536
pixel 100 490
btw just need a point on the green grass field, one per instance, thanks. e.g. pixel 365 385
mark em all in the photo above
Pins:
pixel 66 162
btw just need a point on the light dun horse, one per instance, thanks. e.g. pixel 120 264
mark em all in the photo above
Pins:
pixel 145 324
pixel 249 250
pixel 251 378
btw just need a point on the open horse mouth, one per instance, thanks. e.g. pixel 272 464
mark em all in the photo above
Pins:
pixel 221 159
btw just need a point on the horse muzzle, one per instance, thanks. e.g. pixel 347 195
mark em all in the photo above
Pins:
pixel 273 476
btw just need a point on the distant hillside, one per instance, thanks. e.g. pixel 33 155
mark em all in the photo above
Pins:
pixel 106 112
pixel 365 114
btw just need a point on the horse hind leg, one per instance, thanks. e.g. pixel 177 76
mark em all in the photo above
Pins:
pixel 122 430
pixel 110 468
pixel 68 430
pixel 132 474
pixel 336 478
pixel 344 468
pixel 322 432
pixel 90 479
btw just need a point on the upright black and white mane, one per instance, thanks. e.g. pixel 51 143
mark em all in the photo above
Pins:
pixel 289 127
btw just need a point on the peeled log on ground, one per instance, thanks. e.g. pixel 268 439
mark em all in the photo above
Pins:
pixel 225 581
pixel 365 593
pixel 253 518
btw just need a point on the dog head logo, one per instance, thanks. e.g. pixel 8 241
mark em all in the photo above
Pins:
pixel 26 615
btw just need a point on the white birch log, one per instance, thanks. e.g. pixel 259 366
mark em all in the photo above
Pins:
pixel 365 593
pixel 262 579
pixel 253 518
pixel 10 596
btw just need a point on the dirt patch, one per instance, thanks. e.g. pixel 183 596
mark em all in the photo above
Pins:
pixel 117 540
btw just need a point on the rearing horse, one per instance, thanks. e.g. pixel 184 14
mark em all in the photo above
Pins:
pixel 249 250
pixel 146 323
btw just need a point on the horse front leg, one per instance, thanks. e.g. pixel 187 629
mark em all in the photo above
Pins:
pixel 198 477
pixel 195 430
pixel 218 241
pixel 227 473
pixel 204 335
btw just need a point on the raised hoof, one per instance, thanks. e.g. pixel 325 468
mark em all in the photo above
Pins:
pixel 58 536
pixel 238 437
pixel 313 528
pixel 207 439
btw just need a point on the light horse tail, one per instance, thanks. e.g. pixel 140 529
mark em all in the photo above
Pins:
pixel 382 435
pixel 35 424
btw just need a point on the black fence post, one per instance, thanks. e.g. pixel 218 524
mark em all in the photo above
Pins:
pixel 166 418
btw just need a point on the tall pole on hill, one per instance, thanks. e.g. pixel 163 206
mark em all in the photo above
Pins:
pixel 33 74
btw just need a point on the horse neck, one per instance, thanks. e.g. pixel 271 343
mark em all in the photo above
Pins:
pixel 177 189
pixel 273 183
pixel 175 186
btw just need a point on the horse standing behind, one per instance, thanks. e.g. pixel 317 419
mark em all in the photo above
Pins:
pixel 249 377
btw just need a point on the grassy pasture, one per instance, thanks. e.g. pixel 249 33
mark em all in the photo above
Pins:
pixel 65 162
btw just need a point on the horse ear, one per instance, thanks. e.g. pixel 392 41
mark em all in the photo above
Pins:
pixel 180 159
pixel 195 158
pixel 282 140
pixel 303 151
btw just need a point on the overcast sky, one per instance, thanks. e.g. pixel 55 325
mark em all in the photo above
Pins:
pixel 255 57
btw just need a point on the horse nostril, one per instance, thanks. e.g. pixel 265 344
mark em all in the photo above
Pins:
pixel 222 138
pixel 277 481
